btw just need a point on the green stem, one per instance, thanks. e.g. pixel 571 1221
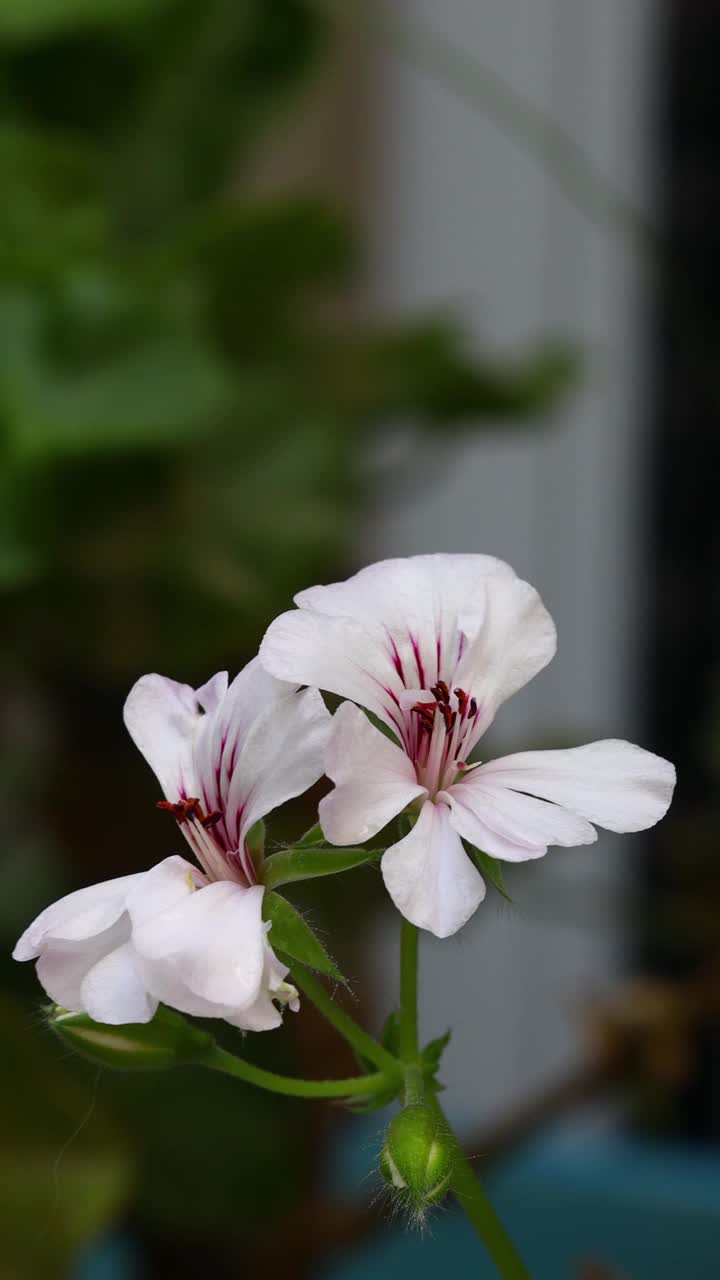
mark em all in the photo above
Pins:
pixel 477 1208
pixel 408 1030
pixel 220 1060
pixel 363 1043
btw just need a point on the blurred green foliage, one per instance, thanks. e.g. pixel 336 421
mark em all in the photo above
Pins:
pixel 186 399
pixel 181 408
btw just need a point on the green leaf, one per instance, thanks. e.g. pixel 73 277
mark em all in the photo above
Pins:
pixel 491 870
pixel 309 862
pixel 291 934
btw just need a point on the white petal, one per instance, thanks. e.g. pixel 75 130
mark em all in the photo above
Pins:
pixel 510 825
pixel 263 1014
pixel 374 779
pixel 114 991
pixel 63 966
pixel 429 876
pixel 350 658
pixel 394 625
pixel 282 756
pixel 81 915
pixel 516 640
pixel 221 736
pixel 163 718
pixel 613 783
pixel 205 948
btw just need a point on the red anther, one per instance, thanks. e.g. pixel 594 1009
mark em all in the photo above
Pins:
pixel 448 716
pixel 462 698
pixel 425 710
pixel 182 810
pixel 440 692
pixel 473 708
pixel 211 819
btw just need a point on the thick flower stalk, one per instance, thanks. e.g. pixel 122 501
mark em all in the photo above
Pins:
pixel 191 934
pixel 432 646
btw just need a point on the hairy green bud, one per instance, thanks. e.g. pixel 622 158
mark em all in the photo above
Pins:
pixel 168 1041
pixel 417 1159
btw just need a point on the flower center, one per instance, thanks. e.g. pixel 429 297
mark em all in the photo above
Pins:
pixel 216 861
pixel 441 735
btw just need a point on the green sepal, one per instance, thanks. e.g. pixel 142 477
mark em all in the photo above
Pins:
pixel 291 934
pixel 169 1040
pixel 432 1056
pixel 312 837
pixel 490 869
pixel 308 862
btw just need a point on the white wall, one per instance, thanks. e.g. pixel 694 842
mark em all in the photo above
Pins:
pixel 465 217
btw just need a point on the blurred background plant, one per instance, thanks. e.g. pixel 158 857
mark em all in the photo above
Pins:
pixel 189 383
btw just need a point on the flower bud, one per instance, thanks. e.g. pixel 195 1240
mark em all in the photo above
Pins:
pixel 417 1158
pixel 167 1041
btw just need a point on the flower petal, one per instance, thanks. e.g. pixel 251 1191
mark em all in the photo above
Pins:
pixel 114 990
pixel 429 876
pixel 200 948
pixel 612 783
pixel 374 779
pixel 517 639
pixel 282 756
pixel 163 718
pixel 417 601
pixel 509 825
pixel 343 656
pixel 85 914
pixel 63 966
pixel 221 736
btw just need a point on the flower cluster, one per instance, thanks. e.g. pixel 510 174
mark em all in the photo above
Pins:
pixel 424 651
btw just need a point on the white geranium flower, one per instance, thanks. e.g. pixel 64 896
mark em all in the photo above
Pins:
pixel 432 646
pixel 191 936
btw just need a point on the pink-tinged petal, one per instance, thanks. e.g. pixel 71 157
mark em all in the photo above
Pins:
pixel 512 826
pixel 63 966
pixel 282 756
pixel 429 876
pixel 417 603
pixel 85 914
pixel 516 640
pixel 352 659
pixel 203 952
pixel 612 783
pixel 221 736
pixel 374 779
pixel 163 719
pixel 114 990
pixel 263 1014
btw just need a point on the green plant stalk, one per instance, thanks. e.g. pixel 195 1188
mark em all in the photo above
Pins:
pixel 363 1043
pixel 477 1207
pixel 468 1192
pixel 408 1030
pixel 355 1086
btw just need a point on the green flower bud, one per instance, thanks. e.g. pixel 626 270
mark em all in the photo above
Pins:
pixel 417 1158
pixel 167 1041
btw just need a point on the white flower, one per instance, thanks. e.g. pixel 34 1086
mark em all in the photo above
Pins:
pixel 432 646
pixel 191 937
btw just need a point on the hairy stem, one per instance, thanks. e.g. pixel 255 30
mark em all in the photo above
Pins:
pixel 355 1086
pixel 408 1030
pixel 476 1206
